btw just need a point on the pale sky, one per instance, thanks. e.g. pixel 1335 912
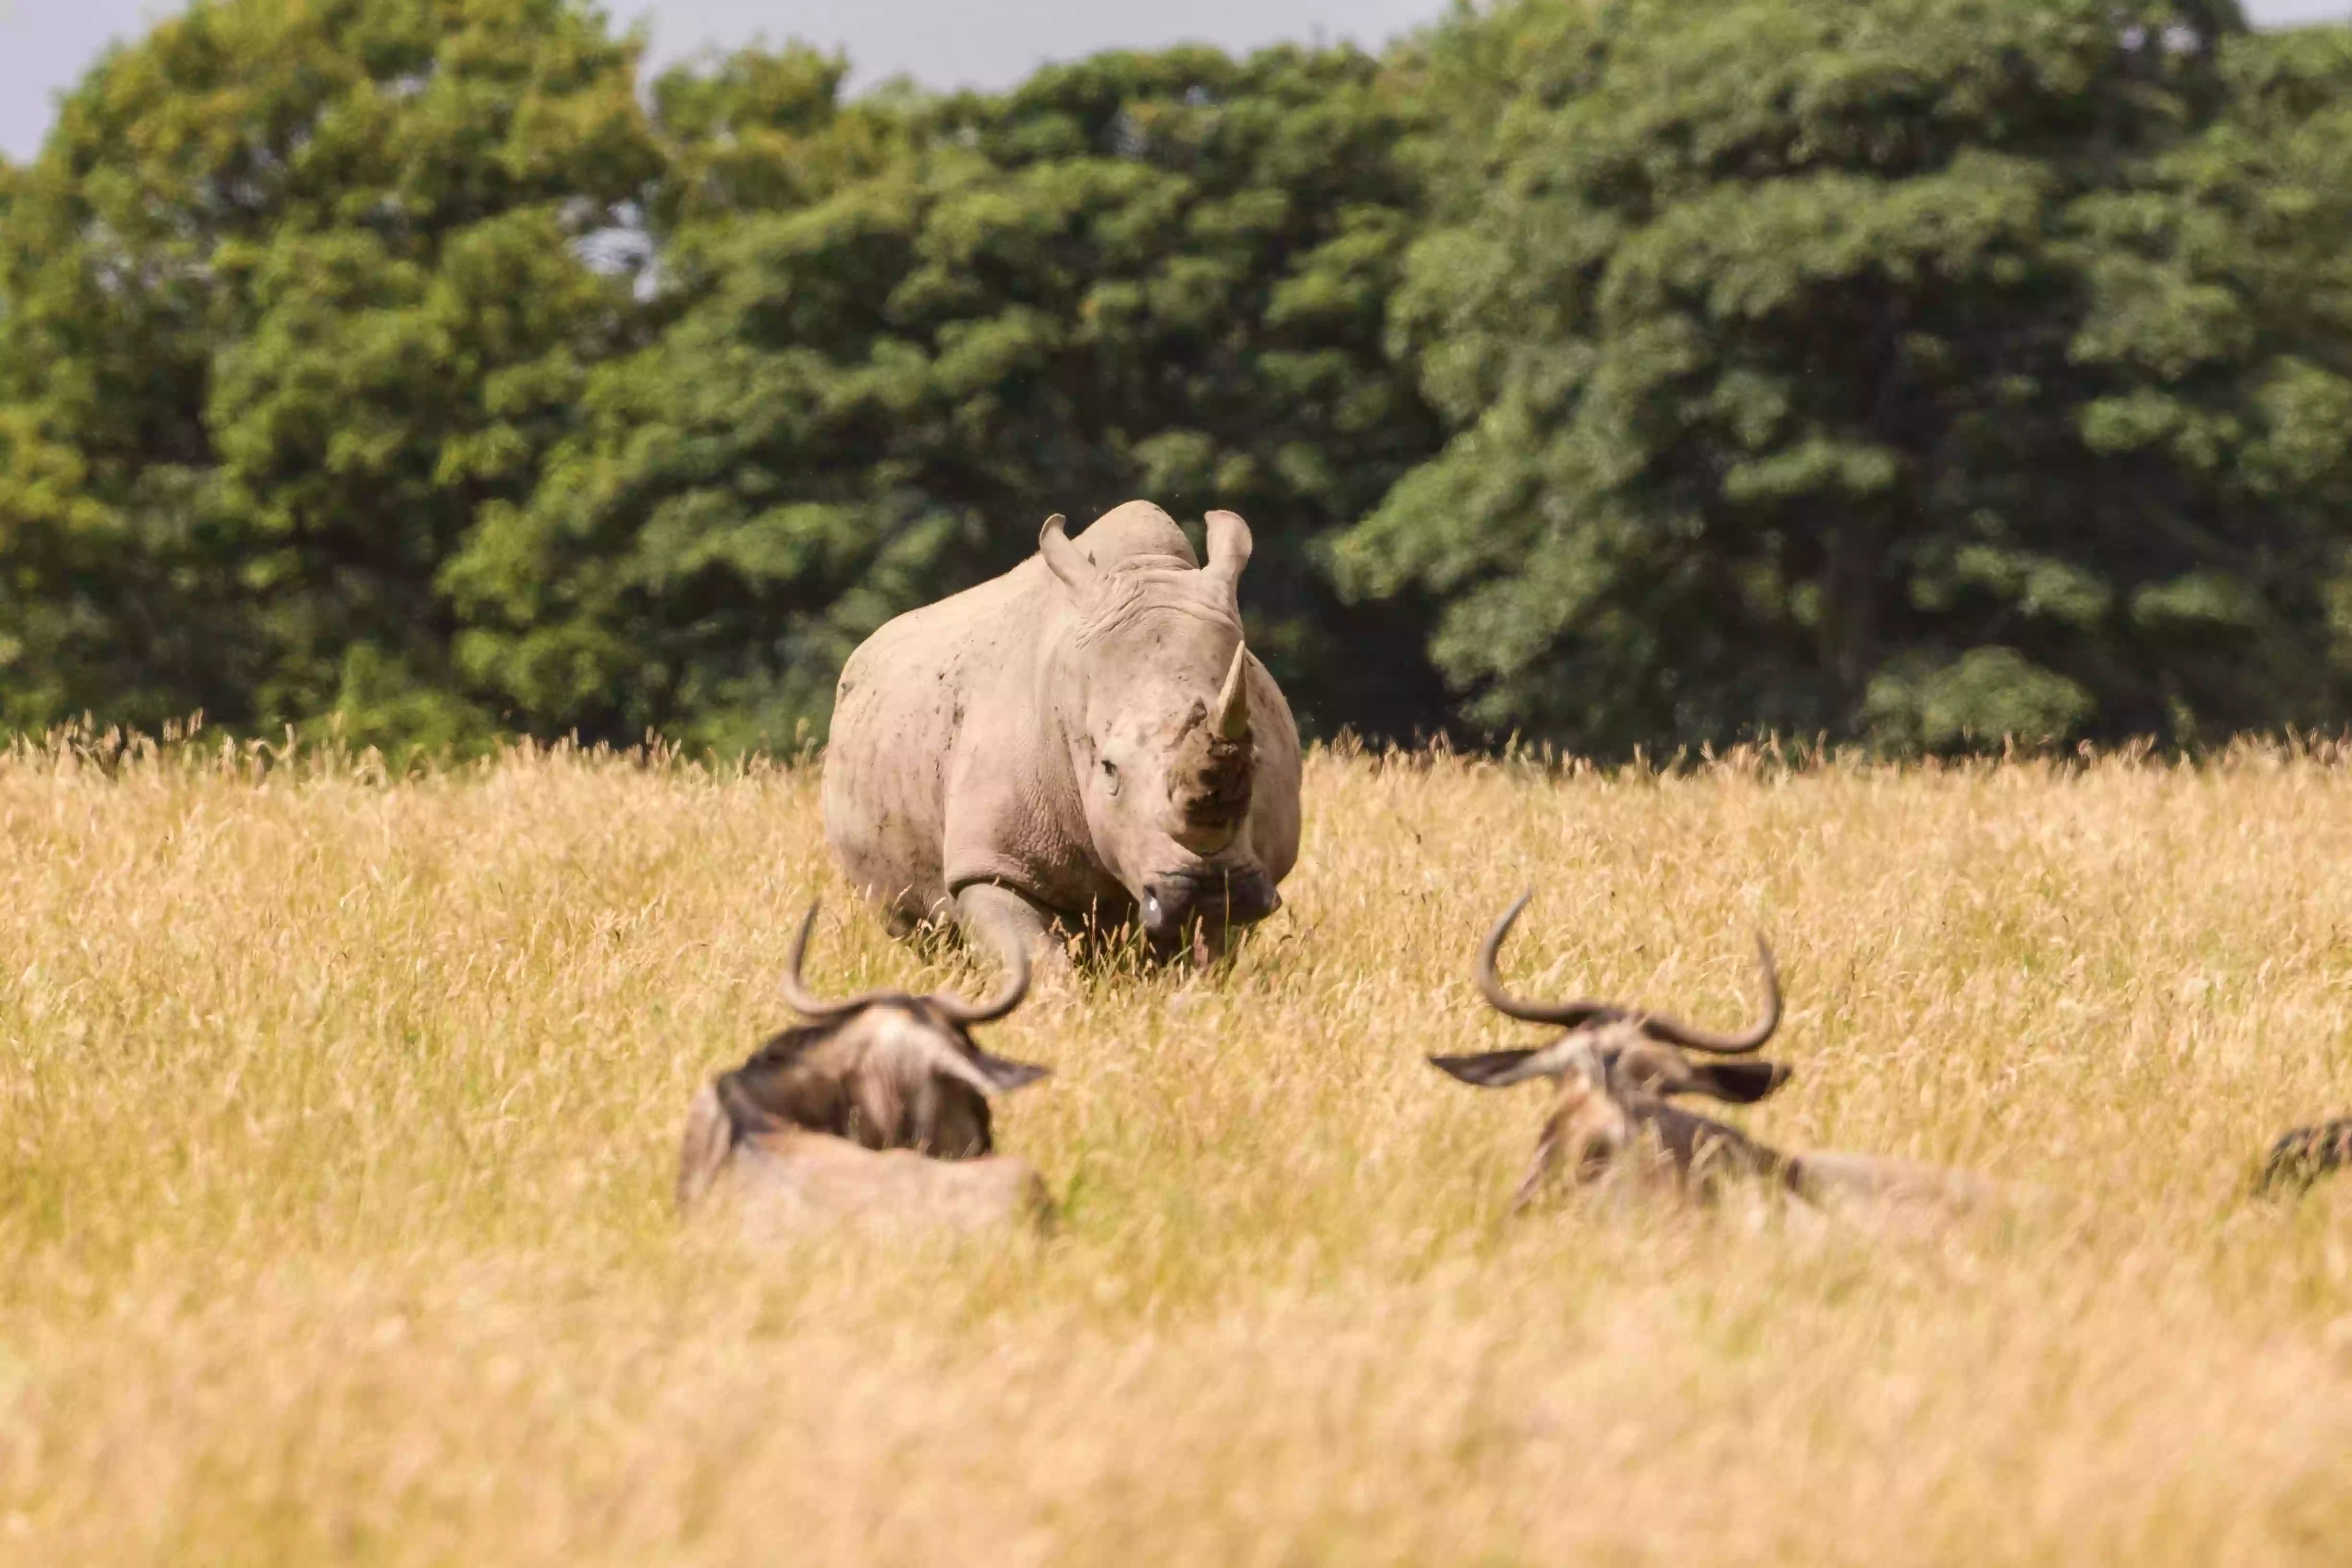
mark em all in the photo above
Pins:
pixel 46 44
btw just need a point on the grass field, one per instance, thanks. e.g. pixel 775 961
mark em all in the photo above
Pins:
pixel 337 1120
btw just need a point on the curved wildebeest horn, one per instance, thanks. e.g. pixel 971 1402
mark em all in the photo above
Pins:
pixel 1008 995
pixel 1233 701
pixel 1229 545
pixel 1568 1015
pixel 954 1009
pixel 1676 1033
pixel 806 1002
pixel 1063 559
pixel 1572 1015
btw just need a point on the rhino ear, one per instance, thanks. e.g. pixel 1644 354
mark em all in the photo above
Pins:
pixel 1229 545
pixel 1063 559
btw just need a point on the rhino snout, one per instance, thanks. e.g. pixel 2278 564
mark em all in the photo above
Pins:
pixel 1215 898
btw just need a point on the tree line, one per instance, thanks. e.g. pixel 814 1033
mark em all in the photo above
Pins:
pixel 1639 372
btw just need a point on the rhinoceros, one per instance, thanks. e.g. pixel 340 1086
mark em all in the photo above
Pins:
pixel 1085 736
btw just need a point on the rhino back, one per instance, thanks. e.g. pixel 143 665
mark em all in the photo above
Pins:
pixel 905 701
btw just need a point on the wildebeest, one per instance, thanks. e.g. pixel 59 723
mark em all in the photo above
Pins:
pixel 1619 1071
pixel 875 1109
pixel 2303 1155
pixel 1083 736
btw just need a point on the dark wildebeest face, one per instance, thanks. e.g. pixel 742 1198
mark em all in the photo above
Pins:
pixel 1617 1068
pixel 1155 705
pixel 2303 1156
pixel 887 1069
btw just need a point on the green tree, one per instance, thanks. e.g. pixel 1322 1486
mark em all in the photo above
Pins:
pixel 1648 373
pixel 293 294
pixel 2223 327
pixel 890 354
pixel 1872 369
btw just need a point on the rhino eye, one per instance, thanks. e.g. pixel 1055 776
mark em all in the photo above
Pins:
pixel 1111 773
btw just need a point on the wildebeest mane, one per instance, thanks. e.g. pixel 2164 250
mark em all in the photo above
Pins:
pixel 766 1094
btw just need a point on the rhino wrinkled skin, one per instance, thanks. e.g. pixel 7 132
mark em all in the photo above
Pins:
pixel 1085 735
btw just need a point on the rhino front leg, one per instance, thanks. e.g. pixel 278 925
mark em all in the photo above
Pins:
pixel 1005 921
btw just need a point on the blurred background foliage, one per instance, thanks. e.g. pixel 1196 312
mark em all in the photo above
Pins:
pixel 1640 373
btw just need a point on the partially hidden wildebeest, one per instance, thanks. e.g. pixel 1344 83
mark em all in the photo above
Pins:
pixel 874 1111
pixel 1619 1071
pixel 1085 735
pixel 2301 1157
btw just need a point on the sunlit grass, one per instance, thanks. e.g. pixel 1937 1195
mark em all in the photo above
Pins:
pixel 338 1118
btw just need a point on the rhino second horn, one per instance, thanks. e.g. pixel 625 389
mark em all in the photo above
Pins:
pixel 1233 702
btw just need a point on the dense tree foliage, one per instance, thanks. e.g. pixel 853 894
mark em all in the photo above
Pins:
pixel 1161 276
pixel 1653 372
pixel 1921 370
pixel 292 297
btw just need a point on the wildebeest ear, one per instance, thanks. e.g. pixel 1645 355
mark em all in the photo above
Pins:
pixel 1491 1069
pixel 1003 1075
pixel 1741 1083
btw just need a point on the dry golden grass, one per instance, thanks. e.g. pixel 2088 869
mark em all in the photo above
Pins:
pixel 337 1119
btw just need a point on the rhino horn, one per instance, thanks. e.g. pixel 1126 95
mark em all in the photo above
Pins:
pixel 1233 702
pixel 1065 559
